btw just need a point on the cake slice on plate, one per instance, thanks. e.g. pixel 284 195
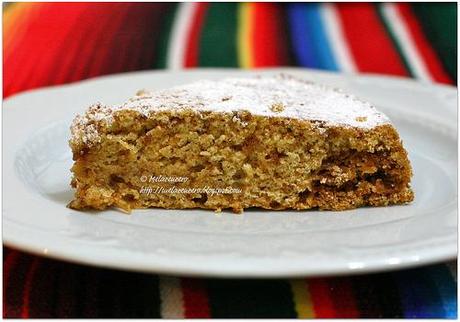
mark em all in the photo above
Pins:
pixel 269 142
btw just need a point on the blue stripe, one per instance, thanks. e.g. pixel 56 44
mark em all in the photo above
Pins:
pixel 419 297
pixel 301 40
pixel 447 288
pixel 310 43
pixel 316 28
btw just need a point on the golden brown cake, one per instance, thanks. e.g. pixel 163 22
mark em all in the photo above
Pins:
pixel 269 142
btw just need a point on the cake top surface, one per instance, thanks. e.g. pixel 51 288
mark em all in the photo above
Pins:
pixel 271 96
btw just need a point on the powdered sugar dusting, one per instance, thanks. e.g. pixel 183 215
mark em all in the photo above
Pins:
pixel 264 96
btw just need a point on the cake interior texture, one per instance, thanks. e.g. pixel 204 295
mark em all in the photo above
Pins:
pixel 192 158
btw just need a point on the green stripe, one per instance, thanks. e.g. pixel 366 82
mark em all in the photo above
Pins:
pixel 394 39
pixel 163 42
pixel 439 23
pixel 288 41
pixel 388 295
pixel 365 294
pixel 250 299
pixel 140 295
pixel 218 39
pixel 122 294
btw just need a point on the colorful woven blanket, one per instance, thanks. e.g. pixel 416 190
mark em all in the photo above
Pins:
pixel 55 43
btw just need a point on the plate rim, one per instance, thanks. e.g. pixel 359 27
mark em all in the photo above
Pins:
pixel 161 268
pixel 57 253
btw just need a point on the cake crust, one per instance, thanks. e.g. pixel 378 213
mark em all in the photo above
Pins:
pixel 273 143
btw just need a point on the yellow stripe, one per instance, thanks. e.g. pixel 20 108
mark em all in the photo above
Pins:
pixel 302 301
pixel 10 13
pixel 12 22
pixel 245 27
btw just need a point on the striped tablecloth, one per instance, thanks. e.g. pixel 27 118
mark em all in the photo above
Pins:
pixel 55 43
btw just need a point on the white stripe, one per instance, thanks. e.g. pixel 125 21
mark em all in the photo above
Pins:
pixel 334 32
pixel 172 298
pixel 178 38
pixel 399 28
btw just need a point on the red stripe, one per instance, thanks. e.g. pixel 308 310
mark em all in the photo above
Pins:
pixel 16 30
pixel 38 56
pixel 341 292
pixel 7 267
pixel 55 26
pixel 131 49
pixel 25 314
pixel 106 53
pixel 141 40
pixel 269 35
pixel 193 36
pixel 424 48
pixel 18 64
pixel 369 43
pixel 133 44
pixel 195 297
pixel 39 46
pixel 16 285
pixel 320 297
pixel 71 61
pixel 108 18
pixel 63 42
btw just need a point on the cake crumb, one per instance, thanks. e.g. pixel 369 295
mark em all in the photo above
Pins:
pixel 142 92
pixel 277 107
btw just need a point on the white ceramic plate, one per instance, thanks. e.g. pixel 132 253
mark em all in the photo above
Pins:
pixel 37 159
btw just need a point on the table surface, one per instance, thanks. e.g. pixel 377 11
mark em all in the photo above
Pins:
pixel 56 43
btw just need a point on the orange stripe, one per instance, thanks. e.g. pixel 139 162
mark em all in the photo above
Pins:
pixel 11 15
pixel 13 59
pixel 17 24
pixel 26 60
pixel 42 54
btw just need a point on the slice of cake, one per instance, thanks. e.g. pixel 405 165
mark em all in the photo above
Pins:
pixel 269 142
